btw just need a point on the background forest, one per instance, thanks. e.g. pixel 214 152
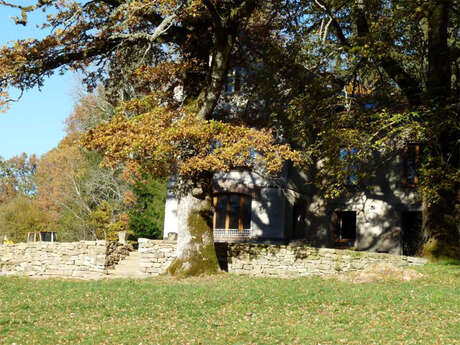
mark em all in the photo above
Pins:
pixel 67 191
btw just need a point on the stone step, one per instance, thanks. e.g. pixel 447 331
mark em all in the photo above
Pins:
pixel 125 267
pixel 129 264
pixel 129 267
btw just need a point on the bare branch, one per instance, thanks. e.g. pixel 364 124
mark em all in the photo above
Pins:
pixel 326 30
pixel 25 10
pixel 160 30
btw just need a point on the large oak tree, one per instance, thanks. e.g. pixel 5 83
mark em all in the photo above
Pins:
pixel 165 62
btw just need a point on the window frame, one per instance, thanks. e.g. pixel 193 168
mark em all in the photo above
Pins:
pixel 241 220
pixel 232 82
pixel 337 226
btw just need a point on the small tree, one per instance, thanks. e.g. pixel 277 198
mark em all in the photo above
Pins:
pixel 20 216
pixel 147 212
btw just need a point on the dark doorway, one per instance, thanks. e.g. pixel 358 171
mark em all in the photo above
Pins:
pixel 344 229
pixel 299 225
pixel 412 235
pixel 222 255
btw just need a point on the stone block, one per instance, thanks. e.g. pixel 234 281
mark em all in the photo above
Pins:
pixel 416 261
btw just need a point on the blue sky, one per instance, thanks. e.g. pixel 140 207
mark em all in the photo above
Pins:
pixel 35 123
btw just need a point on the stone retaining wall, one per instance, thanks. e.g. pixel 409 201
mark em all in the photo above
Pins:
pixel 297 261
pixel 156 255
pixel 89 259
pixel 116 252
pixel 84 259
pixel 265 260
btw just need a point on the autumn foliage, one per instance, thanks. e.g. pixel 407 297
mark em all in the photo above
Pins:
pixel 168 142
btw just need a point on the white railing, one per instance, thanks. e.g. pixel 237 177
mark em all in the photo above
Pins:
pixel 232 234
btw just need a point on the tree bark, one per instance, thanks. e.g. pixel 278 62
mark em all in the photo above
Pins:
pixel 439 66
pixel 218 73
pixel 196 254
pixel 441 218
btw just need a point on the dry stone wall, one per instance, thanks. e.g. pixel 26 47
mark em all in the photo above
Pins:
pixel 156 255
pixel 90 259
pixel 84 259
pixel 265 260
pixel 116 252
pixel 296 261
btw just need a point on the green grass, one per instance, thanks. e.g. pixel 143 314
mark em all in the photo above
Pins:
pixel 229 309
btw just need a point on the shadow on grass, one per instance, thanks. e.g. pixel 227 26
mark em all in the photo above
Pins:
pixel 448 262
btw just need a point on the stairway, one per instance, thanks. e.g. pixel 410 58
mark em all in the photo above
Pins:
pixel 129 267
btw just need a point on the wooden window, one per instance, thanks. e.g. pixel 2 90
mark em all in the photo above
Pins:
pixel 411 164
pixel 48 236
pixel 344 228
pixel 232 212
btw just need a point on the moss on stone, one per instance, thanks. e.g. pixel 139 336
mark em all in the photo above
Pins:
pixel 356 254
pixel 339 262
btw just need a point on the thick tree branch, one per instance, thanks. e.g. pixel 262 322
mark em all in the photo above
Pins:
pixel 226 30
pixel 439 69
pixel 409 85
pixel 175 34
pixel 29 75
pixel 338 29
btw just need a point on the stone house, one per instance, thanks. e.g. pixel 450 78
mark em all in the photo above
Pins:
pixel 385 218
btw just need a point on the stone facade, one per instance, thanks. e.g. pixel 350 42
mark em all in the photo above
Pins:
pixel 156 255
pixel 84 259
pixel 382 214
pixel 265 260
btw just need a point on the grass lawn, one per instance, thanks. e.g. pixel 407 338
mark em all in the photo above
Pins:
pixel 229 309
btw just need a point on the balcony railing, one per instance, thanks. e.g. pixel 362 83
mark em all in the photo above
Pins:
pixel 222 235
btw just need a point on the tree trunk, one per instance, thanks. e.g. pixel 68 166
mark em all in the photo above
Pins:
pixel 439 65
pixel 441 217
pixel 440 223
pixel 196 254
pixel 217 76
